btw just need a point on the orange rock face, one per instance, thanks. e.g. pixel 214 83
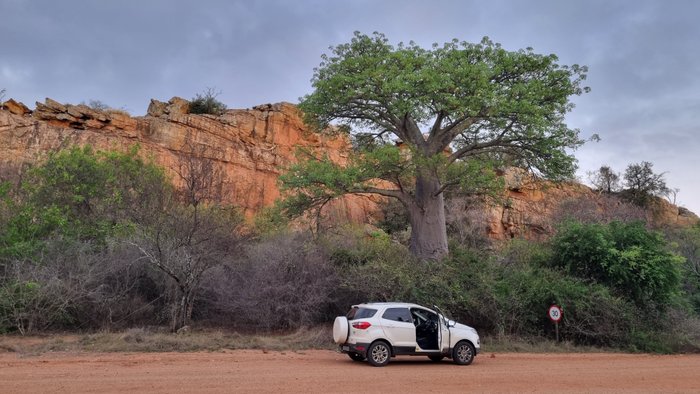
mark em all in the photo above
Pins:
pixel 252 147
pixel 531 207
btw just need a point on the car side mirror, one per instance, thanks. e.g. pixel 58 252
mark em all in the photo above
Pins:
pixel 451 323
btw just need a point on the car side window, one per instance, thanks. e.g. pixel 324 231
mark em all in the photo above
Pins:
pixel 398 314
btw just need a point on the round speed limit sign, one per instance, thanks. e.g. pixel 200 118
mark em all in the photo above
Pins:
pixel 555 313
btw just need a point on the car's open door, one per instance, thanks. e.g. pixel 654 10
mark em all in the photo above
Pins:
pixel 443 331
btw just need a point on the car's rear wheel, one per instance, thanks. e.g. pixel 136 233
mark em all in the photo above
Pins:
pixel 340 330
pixel 378 354
pixel 436 358
pixel 356 357
pixel 463 353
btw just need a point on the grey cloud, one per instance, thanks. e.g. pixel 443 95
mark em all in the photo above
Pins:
pixel 642 58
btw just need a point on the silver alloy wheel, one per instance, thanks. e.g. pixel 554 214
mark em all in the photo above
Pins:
pixel 380 353
pixel 464 353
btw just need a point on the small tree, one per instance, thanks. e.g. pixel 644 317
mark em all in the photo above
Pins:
pixel 206 103
pixel 192 236
pixel 605 180
pixel 459 110
pixel 643 184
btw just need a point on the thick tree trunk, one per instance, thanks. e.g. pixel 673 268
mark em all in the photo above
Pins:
pixel 427 216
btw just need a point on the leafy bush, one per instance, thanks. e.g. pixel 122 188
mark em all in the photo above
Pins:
pixel 508 293
pixel 83 194
pixel 686 242
pixel 632 260
pixel 462 286
pixel 371 266
pixel 206 103
pixel 395 219
pixel 592 315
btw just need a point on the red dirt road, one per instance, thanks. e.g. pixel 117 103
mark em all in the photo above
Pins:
pixel 321 371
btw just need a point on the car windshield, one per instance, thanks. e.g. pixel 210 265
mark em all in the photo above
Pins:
pixel 360 313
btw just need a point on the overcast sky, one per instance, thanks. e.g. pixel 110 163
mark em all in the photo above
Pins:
pixel 643 58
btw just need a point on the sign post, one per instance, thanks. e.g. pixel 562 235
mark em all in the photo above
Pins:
pixel 555 314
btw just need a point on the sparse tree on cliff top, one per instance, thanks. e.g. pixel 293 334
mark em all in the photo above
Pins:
pixel 458 109
pixel 605 179
pixel 642 183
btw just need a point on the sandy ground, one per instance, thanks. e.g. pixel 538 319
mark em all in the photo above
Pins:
pixel 322 371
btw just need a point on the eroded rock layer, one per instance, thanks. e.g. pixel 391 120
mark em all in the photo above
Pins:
pixel 252 147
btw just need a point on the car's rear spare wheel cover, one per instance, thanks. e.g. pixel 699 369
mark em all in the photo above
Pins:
pixel 340 330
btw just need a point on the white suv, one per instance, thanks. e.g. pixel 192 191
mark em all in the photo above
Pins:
pixel 378 331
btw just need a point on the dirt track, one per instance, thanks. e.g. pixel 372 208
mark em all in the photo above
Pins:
pixel 327 371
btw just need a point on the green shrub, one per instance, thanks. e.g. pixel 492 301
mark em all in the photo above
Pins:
pixel 686 242
pixel 206 103
pixel 508 294
pixel 627 257
pixel 80 193
pixel 371 266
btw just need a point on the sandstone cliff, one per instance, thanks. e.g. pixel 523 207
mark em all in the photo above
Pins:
pixel 253 146
pixel 531 207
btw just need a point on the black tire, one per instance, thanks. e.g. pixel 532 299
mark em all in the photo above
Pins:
pixel 463 353
pixel 379 354
pixel 356 357
pixel 436 359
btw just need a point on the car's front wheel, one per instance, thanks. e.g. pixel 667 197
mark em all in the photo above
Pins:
pixel 356 357
pixel 378 354
pixel 463 353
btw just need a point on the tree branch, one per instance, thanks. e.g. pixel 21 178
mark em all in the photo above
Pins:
pixel 498 141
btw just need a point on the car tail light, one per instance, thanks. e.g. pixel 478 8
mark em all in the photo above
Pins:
pixel 361 325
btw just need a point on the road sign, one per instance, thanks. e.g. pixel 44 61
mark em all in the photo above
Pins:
pixel 554 313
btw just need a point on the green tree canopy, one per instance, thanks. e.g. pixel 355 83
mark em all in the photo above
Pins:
pixel 643 184
pixel 458 110
pixel 84 194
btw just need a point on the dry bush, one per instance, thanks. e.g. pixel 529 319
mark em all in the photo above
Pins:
pixel 148 339
pixel 192 236
pixel 43 294
pixel 605 209
pixel 684 332
pixel 185 244
pixel 283 282
pixel 467 222
pixel 75 285
pixel 125 292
